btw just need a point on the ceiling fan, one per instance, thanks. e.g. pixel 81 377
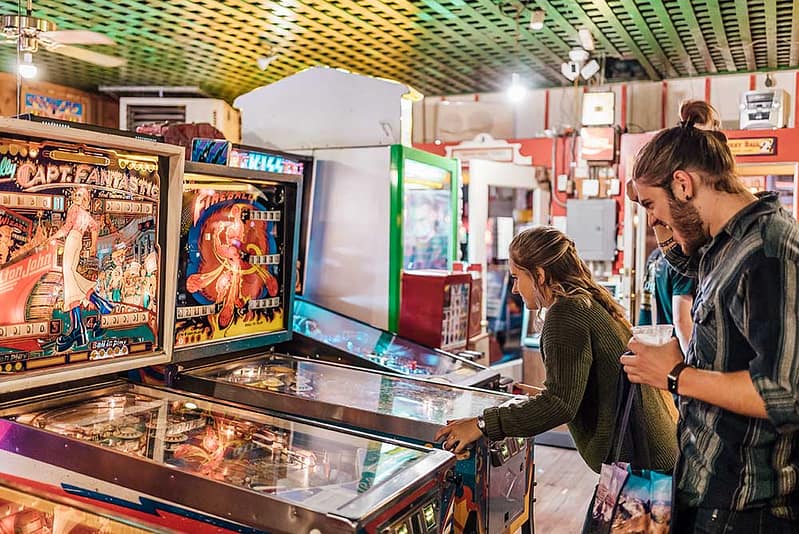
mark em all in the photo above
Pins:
pixel 29 33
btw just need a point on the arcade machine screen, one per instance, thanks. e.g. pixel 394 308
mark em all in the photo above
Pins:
pixel 80 258
pixel 383 348
pixel 230 260
pixel 320 468
pixel 427 228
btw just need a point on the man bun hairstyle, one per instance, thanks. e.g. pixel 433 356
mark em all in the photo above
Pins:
pixel 695 145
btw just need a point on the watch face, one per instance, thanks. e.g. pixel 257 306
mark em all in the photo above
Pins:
pixel 481 424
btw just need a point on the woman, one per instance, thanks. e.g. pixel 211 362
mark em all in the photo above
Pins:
pixel 583 336
pixel 77 288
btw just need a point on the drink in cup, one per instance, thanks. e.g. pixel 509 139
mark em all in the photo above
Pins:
pixel 656 335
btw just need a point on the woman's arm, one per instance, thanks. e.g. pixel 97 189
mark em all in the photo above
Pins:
pixel 69 223
pixel 568 357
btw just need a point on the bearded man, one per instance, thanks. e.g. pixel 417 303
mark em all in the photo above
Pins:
pixel 738 470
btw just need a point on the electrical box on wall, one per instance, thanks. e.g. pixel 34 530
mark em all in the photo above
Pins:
pixel 591 224
pixel 764 109
pixel 599 109
pixel 218 113
pixel 598 145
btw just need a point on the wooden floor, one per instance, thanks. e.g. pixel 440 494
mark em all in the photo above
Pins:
pixel 565 487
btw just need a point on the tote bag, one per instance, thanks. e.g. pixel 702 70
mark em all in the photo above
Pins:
pixel 629 500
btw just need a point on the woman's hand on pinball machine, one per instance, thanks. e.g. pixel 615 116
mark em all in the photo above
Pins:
pixel 458 434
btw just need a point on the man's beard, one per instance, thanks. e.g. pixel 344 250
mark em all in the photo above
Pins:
pixel 687 222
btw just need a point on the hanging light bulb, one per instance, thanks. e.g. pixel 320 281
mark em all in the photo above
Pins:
pixel 27 69
pixel 537 20
pixel 516 91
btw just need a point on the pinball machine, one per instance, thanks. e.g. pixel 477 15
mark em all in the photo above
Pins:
pixel 235 266
pixel 496 479
pixel 327 335
pixel 87 208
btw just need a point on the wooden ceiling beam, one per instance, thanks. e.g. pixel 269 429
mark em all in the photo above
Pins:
pixel 618 27
pixel 448 27
pixel 742 16
pixel 640 23
pixel 315 19
pixel 551 13
pixel 356 13
pixel 290 33
pixel 720 34
pixel 794 57
pixel 544 61
pixel 674 38
pixel 696 33
pixel 584 20
pixel 770 8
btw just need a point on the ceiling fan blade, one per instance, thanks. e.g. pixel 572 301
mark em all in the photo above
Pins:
pixel 73 37
pixel 103 60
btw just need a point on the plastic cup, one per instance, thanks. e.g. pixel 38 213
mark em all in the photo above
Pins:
pixel 656 335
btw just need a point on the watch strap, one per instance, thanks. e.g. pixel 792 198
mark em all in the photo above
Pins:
pixel 674 376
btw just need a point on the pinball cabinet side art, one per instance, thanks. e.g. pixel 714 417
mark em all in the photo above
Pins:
pixel 83 253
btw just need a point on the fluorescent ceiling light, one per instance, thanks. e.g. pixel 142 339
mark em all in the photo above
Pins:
pixel 516 91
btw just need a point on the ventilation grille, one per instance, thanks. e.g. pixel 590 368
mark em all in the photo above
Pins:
pixel 138 115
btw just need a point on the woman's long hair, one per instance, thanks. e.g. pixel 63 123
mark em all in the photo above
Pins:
pixel 565 273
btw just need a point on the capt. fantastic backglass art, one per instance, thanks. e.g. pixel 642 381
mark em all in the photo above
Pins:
pixel 79 256
pixel 231 259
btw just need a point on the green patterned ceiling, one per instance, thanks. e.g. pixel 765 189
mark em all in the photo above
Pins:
pixel 437 46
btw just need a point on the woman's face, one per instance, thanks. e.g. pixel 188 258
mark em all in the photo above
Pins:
pixel 532 291
pixel 82 198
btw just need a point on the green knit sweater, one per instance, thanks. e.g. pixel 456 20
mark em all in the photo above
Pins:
pixel 581 345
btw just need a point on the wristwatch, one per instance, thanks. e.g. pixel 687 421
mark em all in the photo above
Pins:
pixel 674 376
pixel 481 424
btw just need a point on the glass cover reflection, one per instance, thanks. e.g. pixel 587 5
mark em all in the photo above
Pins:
pixel 389 395
pixel 25 513
pixel 320 468
pixel 384 348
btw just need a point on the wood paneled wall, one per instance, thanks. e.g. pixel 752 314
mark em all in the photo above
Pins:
pixel 97 109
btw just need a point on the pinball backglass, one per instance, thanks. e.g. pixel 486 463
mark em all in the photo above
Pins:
pixel 82 232
pixel 236 257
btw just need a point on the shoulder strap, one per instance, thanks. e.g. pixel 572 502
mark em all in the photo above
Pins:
pixel 631 437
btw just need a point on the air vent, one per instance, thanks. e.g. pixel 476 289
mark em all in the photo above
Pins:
pixel 147 114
